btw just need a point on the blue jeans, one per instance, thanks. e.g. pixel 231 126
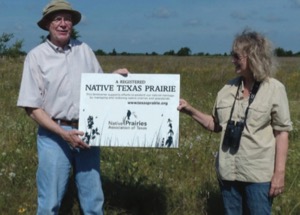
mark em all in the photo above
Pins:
pixel 56 159
pixel 244 198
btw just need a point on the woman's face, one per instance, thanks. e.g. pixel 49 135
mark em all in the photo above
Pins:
pixel 240 61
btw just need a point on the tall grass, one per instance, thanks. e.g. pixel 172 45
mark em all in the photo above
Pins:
pixel 139 181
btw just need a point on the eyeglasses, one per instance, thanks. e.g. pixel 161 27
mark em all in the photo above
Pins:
pixel 237 56
pixel 59 19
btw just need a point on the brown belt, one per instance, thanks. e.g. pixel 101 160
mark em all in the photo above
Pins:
pixel 72 123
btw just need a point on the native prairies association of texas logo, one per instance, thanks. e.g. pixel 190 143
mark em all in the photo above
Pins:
pixel 163 135
pixel 93 131
pixel 128 122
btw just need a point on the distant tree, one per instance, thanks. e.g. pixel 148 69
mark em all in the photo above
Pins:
pixel 200 54
pixel 124 53
pixel 154 54
pixel 75 34
pixel 4 39
pixel 13 50
pixel 171 52
pixel 43 38
pixel 100 52
pixel 289 53
pixel 16 49
pixel 217 54
pixel 113 53
pixel 280 52
pixel 297 54
pixel 185 51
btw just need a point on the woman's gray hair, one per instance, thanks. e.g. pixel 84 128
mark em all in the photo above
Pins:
pixel 259 51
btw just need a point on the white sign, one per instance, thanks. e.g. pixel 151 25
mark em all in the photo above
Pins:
pixel 139 110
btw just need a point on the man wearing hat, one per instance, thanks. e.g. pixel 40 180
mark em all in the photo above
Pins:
pixel 49 92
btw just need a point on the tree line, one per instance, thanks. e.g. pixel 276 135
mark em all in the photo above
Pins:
pixel 9 49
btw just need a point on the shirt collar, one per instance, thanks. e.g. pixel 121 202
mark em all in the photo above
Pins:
pixel 59 49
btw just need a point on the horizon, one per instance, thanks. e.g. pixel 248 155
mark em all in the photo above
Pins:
pixel 161 26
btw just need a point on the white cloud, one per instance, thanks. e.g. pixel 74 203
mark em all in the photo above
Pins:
pixel 192 22
pixel 162 13
pixel 84 20
pixel 273 19
pixel 239 15
pixel 296 3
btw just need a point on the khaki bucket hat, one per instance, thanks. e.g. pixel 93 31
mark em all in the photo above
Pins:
pixel 55 6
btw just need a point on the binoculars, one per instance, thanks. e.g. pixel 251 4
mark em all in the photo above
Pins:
pixel 233 133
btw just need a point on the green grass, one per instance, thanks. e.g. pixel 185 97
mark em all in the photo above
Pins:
pixel 144 181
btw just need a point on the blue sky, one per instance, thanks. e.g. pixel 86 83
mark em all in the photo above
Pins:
pixel 140 26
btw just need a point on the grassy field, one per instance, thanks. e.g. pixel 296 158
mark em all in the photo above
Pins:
pixel 144 181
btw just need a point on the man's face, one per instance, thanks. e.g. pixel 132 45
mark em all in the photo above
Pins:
pixel 60 28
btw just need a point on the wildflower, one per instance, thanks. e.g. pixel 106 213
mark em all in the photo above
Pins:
pixel 21 210
pixel 11 175
pixel 215 154
pixel 161 174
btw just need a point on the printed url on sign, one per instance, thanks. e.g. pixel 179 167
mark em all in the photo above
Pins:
pixel 148 103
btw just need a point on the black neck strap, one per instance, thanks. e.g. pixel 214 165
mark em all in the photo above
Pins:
pixel 251 97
